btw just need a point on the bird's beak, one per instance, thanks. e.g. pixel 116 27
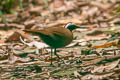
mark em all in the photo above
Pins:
pixel 81 27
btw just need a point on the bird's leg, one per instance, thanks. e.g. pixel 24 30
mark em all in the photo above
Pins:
pixel 51 64
pixel 56 53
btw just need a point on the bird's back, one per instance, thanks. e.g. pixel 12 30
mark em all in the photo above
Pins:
pixel 61 36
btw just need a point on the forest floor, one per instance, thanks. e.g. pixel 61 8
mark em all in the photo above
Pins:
pixel 92 55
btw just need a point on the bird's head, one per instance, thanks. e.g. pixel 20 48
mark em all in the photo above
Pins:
pixel 72 26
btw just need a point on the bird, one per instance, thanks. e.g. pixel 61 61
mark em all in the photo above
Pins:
pixel 56 37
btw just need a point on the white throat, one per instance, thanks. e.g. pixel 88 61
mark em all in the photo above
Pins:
pixel 67 25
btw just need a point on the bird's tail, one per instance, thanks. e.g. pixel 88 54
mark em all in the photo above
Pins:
pixel 30 31
pixel 37 32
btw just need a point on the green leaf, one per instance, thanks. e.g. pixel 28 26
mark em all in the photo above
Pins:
pixel 114 36
pixel 87 52
pixel 20 3
pixel 46 3
pixel 117 9
pixel 117 23
pixel 3 18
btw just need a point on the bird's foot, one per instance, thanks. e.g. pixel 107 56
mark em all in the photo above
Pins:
pixel 57 56
pixel 59 60
pixel 51 65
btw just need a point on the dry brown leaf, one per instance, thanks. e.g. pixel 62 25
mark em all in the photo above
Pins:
pixel 98 37
pixel 74 20
pixel 104 45
pixel 101 5
pixel 13 37
pixel 106 67
pixel 12 25
pixel 33 63
pixel 111 65
pixel 67 55
pixel 16 25
pixel 0 19
pixel 91 62
pixel 24 15
pixel 76 74
pixel 29 24
pixel 44 51
pixel 58 6
pixel 11 17
pixel 33 55
pixel 23 34
pixel 97 76
pixel 14 59
pixel 38 45
pixel 95 33
pixel 95 61
pixel 2 41
pixel 98 69
pixel 18 52
pixel 58 3
pixel 4 57
pixel 88 58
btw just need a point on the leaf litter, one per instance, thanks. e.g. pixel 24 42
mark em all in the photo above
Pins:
pixel 93 54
